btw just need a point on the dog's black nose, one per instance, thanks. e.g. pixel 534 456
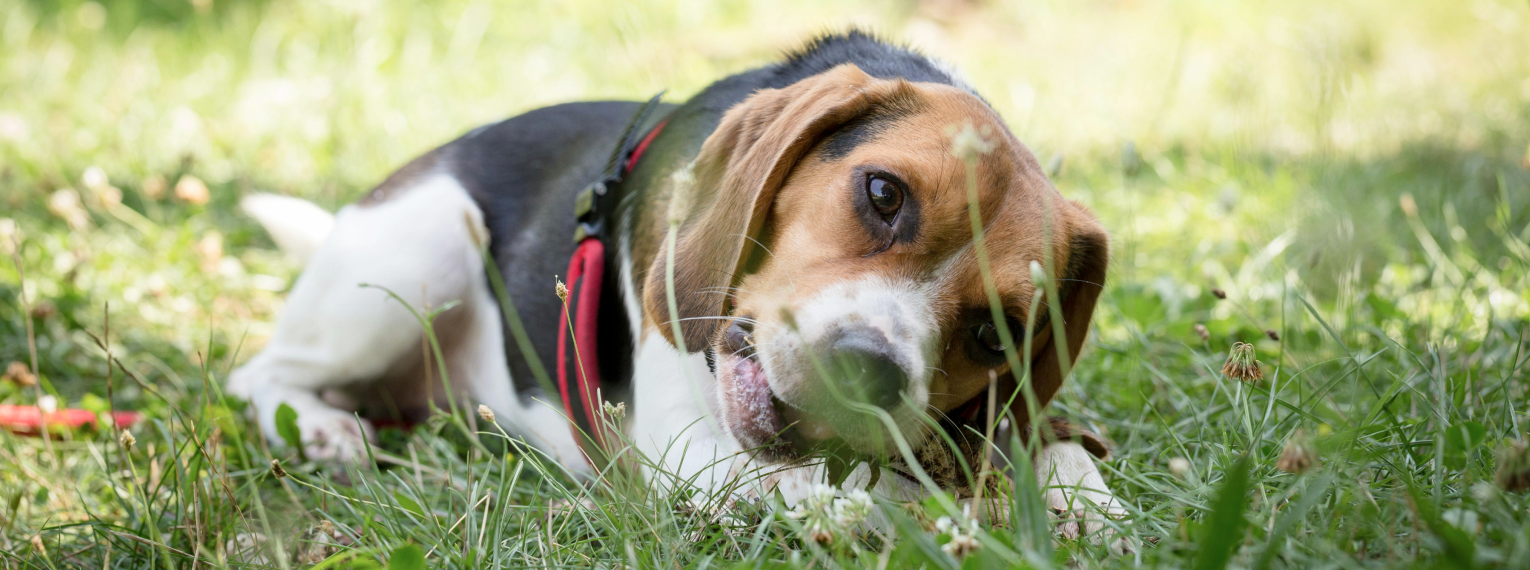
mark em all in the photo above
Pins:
pixel 866 368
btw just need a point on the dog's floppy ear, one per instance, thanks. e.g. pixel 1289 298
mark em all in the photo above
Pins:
pixel 726 197
pixel 1081 279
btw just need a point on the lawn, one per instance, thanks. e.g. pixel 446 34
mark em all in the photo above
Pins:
pixel 1344 185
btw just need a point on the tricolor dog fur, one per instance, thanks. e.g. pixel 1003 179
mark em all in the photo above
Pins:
pixel 825 266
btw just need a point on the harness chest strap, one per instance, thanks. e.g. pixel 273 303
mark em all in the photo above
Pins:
pixel 586 272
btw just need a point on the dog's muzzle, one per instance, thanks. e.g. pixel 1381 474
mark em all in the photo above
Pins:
pixel 863 368
pixel 838 387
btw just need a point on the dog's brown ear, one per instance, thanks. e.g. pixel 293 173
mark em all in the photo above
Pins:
pixel 732 183
pixel 1083 260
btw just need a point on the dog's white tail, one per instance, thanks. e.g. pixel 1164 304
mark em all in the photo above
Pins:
pixel 298 226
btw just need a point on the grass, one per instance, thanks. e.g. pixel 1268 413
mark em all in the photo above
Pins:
pixel 1352 178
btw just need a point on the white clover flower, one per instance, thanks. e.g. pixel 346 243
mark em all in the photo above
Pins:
pixel 961 545
pixel 853 509
pixel 963 540
pixel 825 516
pixel 860 498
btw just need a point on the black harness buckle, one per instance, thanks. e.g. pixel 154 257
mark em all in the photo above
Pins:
pixel 587 201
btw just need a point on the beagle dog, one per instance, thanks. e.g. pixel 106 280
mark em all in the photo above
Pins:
pixel 826 282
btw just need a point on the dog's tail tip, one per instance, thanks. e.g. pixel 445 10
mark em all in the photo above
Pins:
pixel 297 226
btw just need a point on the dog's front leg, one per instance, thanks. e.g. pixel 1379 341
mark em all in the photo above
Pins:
pixel 682 445
pixel 1074 491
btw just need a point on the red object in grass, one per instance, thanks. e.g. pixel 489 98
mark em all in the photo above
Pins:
pixel 28 420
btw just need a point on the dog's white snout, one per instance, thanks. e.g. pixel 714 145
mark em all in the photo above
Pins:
pixel 870 340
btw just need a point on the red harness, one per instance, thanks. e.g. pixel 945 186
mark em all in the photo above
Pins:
pixel 586 270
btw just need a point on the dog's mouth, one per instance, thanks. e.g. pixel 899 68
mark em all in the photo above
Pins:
pixel 753 413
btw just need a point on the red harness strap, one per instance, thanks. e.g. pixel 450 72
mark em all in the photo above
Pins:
pixel 586 272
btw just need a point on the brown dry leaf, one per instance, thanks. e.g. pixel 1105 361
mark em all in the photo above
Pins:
pixel 20 374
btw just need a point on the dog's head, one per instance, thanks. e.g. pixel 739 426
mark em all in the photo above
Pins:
pixel 826 258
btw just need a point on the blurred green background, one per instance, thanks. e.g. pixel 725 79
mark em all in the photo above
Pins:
pixel 1353 175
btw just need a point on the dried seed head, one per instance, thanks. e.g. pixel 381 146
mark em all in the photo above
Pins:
pixel 127 440
pixel 562 290
pixel 1275 336
pixel 1218 293
pixel 1241 364
pixel 616 411
pixel 20 374
pixel 276 469
pixel 1201 331
pixel 968 142
pixel 485 413
pixel 681 184
pixel 1514 467
pixel 1179 467
pixel 1299 454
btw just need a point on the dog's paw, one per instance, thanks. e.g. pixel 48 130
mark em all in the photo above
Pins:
pixel 1088 523
pixel 333 435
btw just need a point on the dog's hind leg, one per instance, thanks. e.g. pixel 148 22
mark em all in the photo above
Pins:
pixel 346 322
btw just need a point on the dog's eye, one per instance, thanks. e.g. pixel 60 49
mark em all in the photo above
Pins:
pixel 885 195
pixel 988 335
